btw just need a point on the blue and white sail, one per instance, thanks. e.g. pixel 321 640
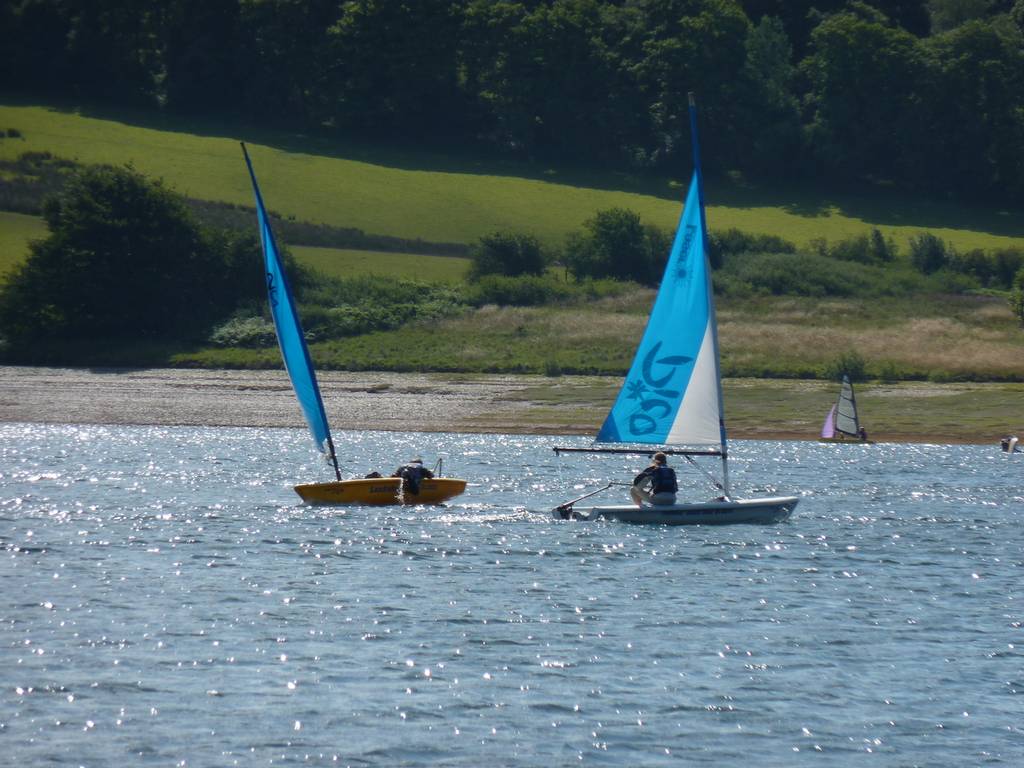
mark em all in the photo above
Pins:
pixel 289 333
pixel 672 394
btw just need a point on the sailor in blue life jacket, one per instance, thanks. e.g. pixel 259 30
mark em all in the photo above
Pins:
pixel 412 475
pixel 656 484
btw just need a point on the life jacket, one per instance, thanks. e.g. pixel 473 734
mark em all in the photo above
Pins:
pixel 663 480
pixel 412 475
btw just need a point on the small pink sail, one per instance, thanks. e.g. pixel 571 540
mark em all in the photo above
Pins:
pixel 828 429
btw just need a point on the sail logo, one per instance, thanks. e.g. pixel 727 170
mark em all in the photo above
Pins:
pixel 272 290
pixel 688 235
pixel 656 401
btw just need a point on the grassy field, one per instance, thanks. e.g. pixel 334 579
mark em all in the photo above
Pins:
pixel 340 262
pixel 16 230
pixel 455 198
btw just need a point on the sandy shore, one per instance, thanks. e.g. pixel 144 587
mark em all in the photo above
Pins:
pixel 424 402
pixel 755 408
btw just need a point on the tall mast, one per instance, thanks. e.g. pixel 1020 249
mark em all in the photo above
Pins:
pixel 270 247
pixel 695 142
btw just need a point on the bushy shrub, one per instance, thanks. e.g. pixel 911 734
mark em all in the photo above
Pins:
pixel 616 244
pixel 533 291
pixel 733 241
pixel 528 291
pixel 801 274
pixel 244 332
pixel 849 363
pixel 506 253
pixel 948 281
pixel 873 248
pixel 1007 263
pixel 991 269
pixel 928 253
pixel 376 289
pixel 1017 296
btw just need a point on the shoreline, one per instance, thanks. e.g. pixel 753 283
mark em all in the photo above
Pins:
pixel 759 409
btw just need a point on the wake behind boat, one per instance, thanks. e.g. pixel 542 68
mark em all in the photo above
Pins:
pixel 298 363
pixel 671 400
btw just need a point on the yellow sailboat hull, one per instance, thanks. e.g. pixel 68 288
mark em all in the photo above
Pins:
pixel 380 491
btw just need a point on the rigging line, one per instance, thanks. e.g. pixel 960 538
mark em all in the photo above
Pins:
pixel 707 474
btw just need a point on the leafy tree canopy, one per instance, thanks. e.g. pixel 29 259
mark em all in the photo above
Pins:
pixel 125 259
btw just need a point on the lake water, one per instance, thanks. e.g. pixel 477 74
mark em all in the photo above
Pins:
pixel 165 601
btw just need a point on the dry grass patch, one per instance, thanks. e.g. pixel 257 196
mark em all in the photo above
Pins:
pixel 926 344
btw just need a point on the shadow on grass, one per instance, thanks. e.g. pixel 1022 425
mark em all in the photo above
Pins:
pixel 876 204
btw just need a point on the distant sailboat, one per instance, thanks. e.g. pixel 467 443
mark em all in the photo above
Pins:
pixel 841 423
pixel 672 395
pixel 379 490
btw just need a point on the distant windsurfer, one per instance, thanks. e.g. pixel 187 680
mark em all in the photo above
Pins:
pixel 656 484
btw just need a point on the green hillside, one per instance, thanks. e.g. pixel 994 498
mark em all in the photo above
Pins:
pixel 16 230
pixel 444 198
pixel 348 262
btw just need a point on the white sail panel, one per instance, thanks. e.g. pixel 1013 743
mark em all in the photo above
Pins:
pixel 846 410
pixel 697 421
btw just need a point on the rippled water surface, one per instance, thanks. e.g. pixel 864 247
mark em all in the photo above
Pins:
pixel 165 601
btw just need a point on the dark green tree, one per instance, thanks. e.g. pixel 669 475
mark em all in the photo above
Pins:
pixel 768 110
pixel 693 45
pixel 124 259
pixel 507 253
pixel 973 116
pixel 928 253
pixel 203 60
pixel 393 68
pixel 616 244
pixel 555 79
pixel 284 54
pixel 865 79
pixel 950 14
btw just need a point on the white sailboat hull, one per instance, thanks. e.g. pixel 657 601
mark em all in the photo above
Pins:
pixel 749 511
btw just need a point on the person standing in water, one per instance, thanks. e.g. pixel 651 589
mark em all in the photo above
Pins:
pixel 656 484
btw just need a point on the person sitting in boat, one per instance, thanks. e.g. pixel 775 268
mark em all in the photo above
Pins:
pixel 656 484
pixel 412 475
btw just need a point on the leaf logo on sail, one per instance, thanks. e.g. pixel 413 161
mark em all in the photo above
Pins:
pixel 655 399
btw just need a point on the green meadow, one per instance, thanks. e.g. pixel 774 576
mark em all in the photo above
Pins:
pixel 16 232
pixel 350 262
pixel 458 198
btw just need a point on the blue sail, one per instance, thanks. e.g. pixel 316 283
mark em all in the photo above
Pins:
pixel 289 331
pixel 672 393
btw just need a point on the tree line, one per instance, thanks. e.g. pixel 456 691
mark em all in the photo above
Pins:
pixel 927 94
